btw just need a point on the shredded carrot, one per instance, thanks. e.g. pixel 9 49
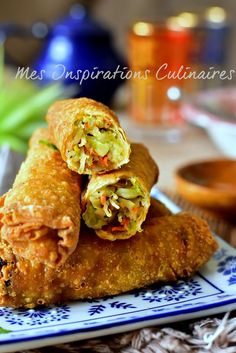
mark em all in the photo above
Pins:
pixel 134 209
pixel 103 199
pixel 92 152
pixel 86 125
pixel 125 221
pixel 106 120
pixel 117 229
pixel 104 161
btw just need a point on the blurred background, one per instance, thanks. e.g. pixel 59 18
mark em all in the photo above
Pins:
pixel 180 120
pixel 138 35
pixel 118 16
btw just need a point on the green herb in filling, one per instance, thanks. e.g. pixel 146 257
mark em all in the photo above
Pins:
pixel 49 144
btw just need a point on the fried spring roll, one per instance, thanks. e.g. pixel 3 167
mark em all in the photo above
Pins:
pixel 157 209
pixel 88 135
pixel 169 248
pixel 115 204
pixel 40 215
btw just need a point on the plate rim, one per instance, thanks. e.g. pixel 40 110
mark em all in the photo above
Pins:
pixel 129 322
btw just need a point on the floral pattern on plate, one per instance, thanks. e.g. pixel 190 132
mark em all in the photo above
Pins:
pixel 32 317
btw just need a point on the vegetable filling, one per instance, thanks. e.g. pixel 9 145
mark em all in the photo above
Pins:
pixel 97 145
pixel 116 208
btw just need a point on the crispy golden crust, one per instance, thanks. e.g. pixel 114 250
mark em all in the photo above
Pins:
pixel 141 167
pixel 40 215
pixel 170 247
pixel 157 209
pixel 62 116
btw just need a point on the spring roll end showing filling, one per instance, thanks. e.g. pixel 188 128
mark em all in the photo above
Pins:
pixel 97 145
pixel 48 238
pixel 40 215
pixel 118 209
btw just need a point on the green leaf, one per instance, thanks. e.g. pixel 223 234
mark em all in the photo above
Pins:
pixel 23 106
pixel 14 142
pixel 13 94
pixel 26 130
pixel 1 65
pixel 28 109
pixel 49 144
pixel 3 330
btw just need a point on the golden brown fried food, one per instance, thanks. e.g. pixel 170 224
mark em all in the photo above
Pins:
pixel 170 247
pixel 88 135
pixel 157 209
pixel 115 204
pixel 40 215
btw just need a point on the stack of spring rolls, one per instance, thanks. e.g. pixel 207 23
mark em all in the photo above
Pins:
pixel 125 241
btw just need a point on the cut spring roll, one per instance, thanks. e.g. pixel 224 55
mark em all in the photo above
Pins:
pixel 88 135
pixel 169 248
pixel 115 204
pixel 40 215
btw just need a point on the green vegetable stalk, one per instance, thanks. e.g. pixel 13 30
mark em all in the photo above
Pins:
pixel 23 106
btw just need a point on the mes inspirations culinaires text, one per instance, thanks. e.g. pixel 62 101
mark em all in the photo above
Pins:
pixel 60 72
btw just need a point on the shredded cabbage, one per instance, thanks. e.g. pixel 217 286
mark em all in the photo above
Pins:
pixel 102 144
pixel 130 193
pixel 121 202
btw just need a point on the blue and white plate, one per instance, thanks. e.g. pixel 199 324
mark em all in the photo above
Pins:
pixel 210 291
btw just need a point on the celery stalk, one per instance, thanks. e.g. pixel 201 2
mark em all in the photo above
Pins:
pixel 30 108
pixel 26 130
pixel 1 65
pixel 13 94
pixel 14 142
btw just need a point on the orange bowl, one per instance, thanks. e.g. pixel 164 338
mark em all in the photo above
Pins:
pixel 209 184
